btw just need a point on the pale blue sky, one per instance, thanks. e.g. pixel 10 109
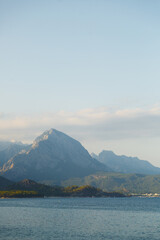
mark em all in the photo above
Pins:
pixel 84 54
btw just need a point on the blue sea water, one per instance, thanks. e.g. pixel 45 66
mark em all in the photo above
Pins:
pixel 80 219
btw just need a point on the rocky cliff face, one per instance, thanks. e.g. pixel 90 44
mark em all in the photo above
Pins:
pixel 53 156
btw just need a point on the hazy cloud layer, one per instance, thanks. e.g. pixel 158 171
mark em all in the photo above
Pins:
pixel 100 124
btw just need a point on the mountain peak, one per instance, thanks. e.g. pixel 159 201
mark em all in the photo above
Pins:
pixel 53 156
pixel 51 132
pixel 125 164
pixel 46 135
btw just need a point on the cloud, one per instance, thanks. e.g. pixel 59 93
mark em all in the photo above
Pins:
pixel 99 123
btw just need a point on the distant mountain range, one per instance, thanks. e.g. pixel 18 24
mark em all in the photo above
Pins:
pixel 124 164
pixel 5 144
pixel 10 150
pixel 51 158
pixel 55 157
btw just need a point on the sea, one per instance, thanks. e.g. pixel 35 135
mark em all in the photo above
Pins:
pixel 80 219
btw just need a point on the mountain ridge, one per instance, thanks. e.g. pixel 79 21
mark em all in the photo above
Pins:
pixel 52 156
pixel 55 157
pixel 125 164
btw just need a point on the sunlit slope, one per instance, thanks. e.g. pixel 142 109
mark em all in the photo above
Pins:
pixel 53 156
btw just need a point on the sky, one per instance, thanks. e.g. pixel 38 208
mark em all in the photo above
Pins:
pixel 87 68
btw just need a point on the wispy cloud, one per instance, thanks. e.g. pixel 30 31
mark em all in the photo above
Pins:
pixel 99 123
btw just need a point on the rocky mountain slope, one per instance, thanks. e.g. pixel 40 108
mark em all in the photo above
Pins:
pixel 10 151
pixel 53 157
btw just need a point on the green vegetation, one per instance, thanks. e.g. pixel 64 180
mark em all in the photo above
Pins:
pixel 96 185
pixel 89 191
pixel 29 188
pixel 19 194
pixel 83 191
pixel 125 183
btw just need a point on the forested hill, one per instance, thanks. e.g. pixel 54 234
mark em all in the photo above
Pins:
pixel 126 183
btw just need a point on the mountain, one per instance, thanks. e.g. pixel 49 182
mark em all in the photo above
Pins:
pixel 119 182
pixel 53 157
pixel 4 183
pixel 124 164
pixel 5 144
pixel 10 151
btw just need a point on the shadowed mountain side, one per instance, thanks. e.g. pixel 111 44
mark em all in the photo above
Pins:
pixel 5 144
pixel 30 185
pixel 4 183
pixel 53 156
pixel 124 164
pixel 11 151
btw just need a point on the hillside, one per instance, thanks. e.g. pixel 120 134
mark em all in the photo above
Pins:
pixel 29 188
pixel 4 183
pixel 127 183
